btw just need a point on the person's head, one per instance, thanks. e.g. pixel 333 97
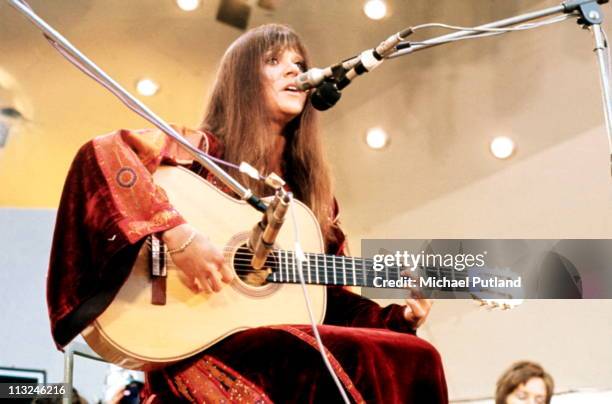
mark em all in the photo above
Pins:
pixel 524 383
pixel 252 98
pixel 283 99
pixel 253 75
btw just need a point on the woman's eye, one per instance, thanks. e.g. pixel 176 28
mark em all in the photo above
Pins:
pixel 272 61
pixel 521 395
pixel 301 66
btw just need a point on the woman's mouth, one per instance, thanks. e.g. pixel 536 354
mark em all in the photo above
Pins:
pixel 292 88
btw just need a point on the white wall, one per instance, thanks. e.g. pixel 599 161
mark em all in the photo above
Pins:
pixel 25 334
pixel 564 191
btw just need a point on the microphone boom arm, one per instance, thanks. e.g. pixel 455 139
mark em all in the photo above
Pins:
pixel 92 70
pixel 591 16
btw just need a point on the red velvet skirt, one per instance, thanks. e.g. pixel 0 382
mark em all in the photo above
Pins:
pixel 283 365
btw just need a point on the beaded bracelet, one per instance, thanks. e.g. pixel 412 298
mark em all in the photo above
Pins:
pixel 183 246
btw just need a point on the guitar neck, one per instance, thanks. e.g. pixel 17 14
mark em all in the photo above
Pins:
pixel 324 269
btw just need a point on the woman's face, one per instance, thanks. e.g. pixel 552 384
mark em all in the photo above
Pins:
pixel 532 392
pixel 284 100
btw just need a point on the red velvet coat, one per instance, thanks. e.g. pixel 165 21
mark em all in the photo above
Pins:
pixel 110 204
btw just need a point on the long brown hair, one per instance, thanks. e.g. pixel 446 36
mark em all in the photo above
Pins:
pixel 237 114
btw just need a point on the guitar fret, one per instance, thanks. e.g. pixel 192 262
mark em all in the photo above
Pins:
pixel 289 258
pixel 317 268
pixel 287 278
pixel 308 263
pixel 334 269
pixel 354 275
pixel 365 278
pixel 325 269
pixel 280 264
pixel 294 265
pixel 281 267
pixel 344 270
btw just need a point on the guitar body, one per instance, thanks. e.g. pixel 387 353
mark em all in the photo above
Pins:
pixel 133 333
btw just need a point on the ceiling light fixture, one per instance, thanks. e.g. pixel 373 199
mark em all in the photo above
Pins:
pixel 188 5
pixel 147 87
pixel 375 9
pixel 377 138
pixel 502 147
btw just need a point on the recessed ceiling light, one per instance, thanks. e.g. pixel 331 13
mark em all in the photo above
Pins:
pixel 188 5
pixel 375 9
pixel 377 138
pixel 502 147
pixel 147 87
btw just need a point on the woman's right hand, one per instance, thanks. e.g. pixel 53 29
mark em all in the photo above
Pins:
pixel 201 264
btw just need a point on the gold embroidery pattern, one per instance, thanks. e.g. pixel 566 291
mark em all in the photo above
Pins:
pixel 210 381
pixel 158 220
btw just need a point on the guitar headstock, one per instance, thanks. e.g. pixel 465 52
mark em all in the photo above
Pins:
pixel 496 298
pixel 502 304
pixel 490 295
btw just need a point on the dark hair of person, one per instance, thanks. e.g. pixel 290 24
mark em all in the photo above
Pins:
pixel 238 115
pixel 520 373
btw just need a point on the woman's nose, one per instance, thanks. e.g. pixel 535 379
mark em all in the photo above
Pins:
pixel 292 69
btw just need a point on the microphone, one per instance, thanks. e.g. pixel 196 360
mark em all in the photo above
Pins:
pixel 326 96
pixel 314 77
pixel 332 80
pixel 264 233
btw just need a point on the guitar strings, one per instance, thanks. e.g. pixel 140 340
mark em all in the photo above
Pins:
pixel 330 272
pixel 285 268
pixel 245 256
pixel 290 253
pixel 318 257
pixel 280 265
pixel 287 273
pixel 322 270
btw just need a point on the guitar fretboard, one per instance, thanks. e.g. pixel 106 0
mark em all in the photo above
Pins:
pixel 324 269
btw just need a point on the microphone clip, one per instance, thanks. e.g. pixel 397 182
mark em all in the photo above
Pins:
pixel 264 233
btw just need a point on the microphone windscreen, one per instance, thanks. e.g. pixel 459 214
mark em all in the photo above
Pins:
pixel 325 96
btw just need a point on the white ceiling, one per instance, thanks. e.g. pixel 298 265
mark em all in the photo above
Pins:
pixel 441 106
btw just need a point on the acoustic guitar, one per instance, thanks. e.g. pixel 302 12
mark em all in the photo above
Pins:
pixel 134 333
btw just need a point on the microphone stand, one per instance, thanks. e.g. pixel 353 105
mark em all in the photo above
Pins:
pixel 92 69
pixel 591 17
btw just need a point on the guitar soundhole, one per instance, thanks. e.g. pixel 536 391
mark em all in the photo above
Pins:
pixel 246 273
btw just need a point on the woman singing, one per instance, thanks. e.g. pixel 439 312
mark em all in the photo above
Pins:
pixel 110 205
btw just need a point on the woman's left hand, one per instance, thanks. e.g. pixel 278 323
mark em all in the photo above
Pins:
pixel 416 311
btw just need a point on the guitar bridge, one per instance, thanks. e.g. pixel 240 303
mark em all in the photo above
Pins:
pixel 159 270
